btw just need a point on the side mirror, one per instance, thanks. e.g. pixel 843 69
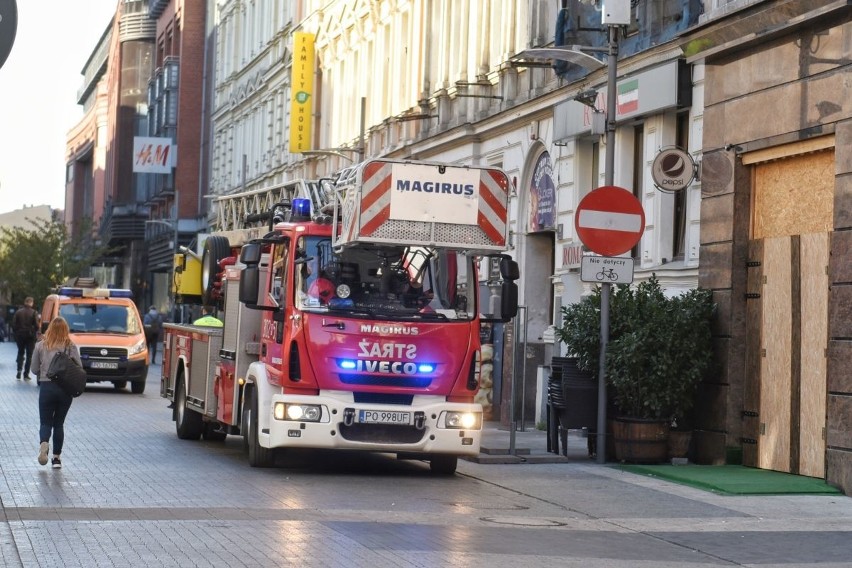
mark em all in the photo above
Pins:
pixel 509 269
pixel 250 256
pixel 508 300
pixel 249 281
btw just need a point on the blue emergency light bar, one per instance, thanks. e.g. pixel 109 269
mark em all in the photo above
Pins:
pixel 351 365
pixel 301 208
pixel 95 292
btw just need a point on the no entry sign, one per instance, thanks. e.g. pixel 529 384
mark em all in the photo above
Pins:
pixel 609 220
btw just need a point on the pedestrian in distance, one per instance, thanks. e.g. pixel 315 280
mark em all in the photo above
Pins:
pixel 153 323
pixel 207 318
pixel 25 328
pixel 53 401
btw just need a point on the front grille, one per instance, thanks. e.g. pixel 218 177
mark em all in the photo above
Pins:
pixel 385 380
pixel 383 398
pixel 111 352
pixel 381 434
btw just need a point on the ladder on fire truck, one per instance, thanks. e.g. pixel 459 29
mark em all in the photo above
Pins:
pixel 256 208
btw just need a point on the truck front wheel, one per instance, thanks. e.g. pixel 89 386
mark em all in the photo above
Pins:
pixel 188 423
pixel 258 455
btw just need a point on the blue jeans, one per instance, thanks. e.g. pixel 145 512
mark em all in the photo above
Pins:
pixel 53 405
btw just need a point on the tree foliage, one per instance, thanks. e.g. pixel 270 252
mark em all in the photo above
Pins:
pixel 33 261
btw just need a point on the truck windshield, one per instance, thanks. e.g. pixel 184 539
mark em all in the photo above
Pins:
pixel 100 318
pixel 392 282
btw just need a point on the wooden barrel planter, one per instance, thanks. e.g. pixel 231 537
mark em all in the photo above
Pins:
pixel 639 440
pixel 679 441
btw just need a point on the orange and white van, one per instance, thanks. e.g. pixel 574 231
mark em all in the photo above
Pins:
pixel 106 327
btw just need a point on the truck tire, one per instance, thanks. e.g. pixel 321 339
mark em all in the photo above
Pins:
pixel 188 422
pixel 258 456
pixel 215 249
pixel 137 387
pixel 443 464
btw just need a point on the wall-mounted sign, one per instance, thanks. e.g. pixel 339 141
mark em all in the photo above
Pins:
pixel 153 155
pixel 301 91
pixel 604 269
pixel 673 169
pixel 542 196
pixel 572 255
pixel 8 28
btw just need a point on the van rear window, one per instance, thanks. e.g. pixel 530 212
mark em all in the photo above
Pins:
pixel 100 318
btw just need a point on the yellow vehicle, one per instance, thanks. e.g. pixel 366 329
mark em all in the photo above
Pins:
pixel 106 327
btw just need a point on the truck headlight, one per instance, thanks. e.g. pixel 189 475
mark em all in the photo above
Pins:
pixel 463 420
pixel 297 412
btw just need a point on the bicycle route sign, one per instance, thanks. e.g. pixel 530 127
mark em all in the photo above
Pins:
pixel 605 269
pixel 609 220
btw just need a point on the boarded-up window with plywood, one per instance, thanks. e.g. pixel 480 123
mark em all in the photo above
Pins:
pixel 794 195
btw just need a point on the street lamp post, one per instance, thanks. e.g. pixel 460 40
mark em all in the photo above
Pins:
pixel 609 175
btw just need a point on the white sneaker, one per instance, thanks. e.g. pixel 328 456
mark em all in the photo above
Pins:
pixel 42 453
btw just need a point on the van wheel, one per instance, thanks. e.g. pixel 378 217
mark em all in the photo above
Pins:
pixel 119 385
pixel 443 464
pixel 215 249
pixel 188 422
pixel 137 387
pixel 258 456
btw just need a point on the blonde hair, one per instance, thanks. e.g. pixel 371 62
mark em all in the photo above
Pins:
pixel 56 336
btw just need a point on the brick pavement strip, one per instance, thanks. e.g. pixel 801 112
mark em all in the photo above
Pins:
pixel 131 494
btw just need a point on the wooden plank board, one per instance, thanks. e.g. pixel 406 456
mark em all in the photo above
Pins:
pixel 814 332
pixel 780 189
pixel 775 376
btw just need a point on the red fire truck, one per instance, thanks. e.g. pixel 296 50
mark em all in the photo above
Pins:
pixel 351 318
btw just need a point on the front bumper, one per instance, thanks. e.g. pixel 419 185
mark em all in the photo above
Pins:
pixel 339 427
pixel 132 370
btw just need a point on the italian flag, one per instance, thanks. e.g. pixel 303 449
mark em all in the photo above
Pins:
pixel 628 96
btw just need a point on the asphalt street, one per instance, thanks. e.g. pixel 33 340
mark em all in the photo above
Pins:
pixel 131 494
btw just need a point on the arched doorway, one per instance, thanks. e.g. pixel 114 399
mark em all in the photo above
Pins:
pixel 537 227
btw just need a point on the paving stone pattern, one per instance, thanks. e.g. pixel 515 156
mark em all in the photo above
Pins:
pixel 131 494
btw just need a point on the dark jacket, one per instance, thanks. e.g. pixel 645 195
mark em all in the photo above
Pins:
pixel 25 324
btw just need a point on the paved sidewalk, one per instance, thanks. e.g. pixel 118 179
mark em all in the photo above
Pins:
pixel 131 494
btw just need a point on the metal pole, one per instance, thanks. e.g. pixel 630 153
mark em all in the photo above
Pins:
pixel 609 175
pixel 524 373
pixel 512 423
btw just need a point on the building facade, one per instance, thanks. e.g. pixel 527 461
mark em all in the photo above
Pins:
pixel 100 183
pixel 410 79
pixel 413 79
pixel 775 232
pixel 176 100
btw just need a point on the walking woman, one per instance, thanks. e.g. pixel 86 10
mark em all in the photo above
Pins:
pixel 53 402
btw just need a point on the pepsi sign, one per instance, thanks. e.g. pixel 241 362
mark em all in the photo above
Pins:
pixel 673 169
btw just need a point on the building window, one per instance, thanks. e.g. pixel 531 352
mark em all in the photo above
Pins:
pixel 638 175
pixel 679 208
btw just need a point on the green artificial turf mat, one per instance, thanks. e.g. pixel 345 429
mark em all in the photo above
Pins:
pixel 735 479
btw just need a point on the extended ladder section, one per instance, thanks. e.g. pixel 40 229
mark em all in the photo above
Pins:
pixel 255 209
